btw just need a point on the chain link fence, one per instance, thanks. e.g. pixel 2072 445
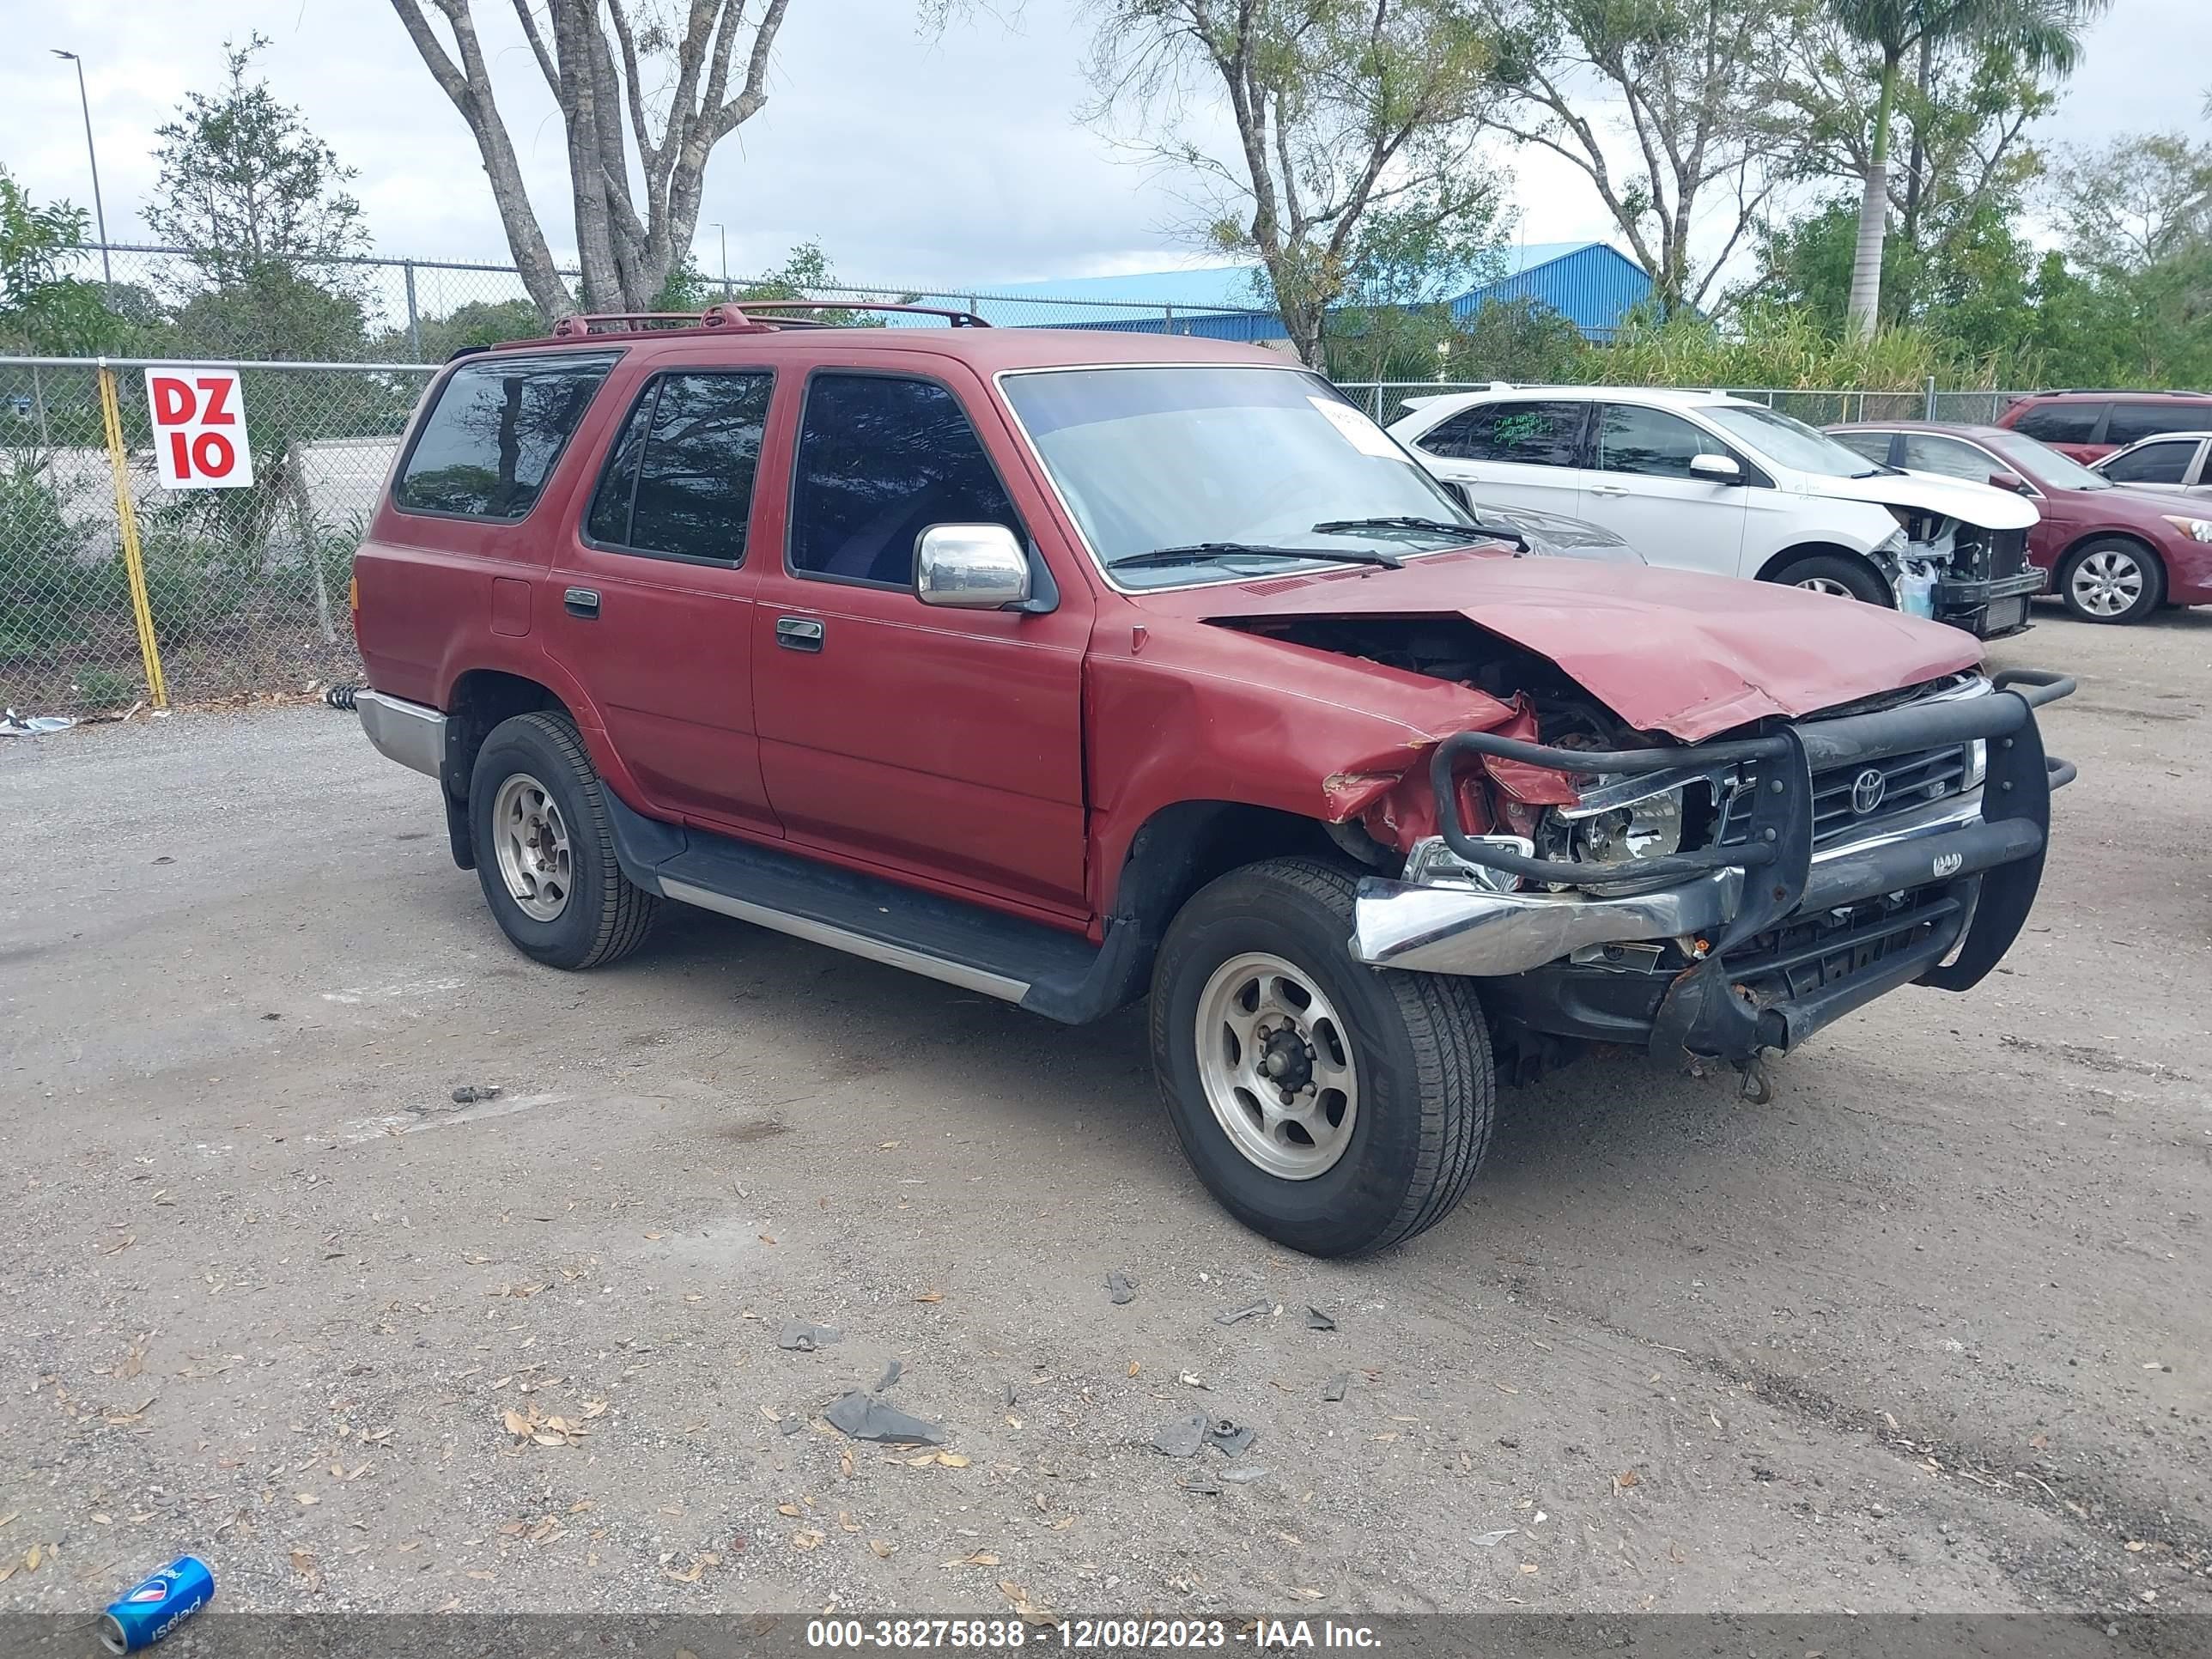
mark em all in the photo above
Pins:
pixel 164 303
pixel 245 588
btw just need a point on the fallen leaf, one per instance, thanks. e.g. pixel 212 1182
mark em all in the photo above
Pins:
pixel 307 1498
pixel 2135 1547
pixel 883 1551
pixel 483 1575
pixel 1528 1567
pixel 845 1463
pixel 1305 1595
pixel 766 1238
pixel 2039 1442
pixel 515 1422
pixel 791 1509
pixel 931 1296
pixel 979 1558
pixel 303 1564
pixel 33 1556
pixel 1626 1478
pixel 809 1538
pixel 1135 1366
pixel 845 1523
pixel 952 1460
pixel 691 1575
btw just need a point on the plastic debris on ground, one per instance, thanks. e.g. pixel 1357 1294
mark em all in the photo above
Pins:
pixel 1318 1321
pixel 1121 1287
pixel 1232 1439
pixel 13 725
pixel 470 1093
pixel 1204 1485
pixel 1337 1386
pixel 1491 1540
pixel 1244 1472
pixel 802 1338
pixel 1249 1310
pixel 866 1417
pixel 1186 1437
pixel 892 1372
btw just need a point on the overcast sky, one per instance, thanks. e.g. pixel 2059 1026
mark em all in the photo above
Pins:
pixel 912 159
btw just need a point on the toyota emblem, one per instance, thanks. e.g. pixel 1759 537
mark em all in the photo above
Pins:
pixel 1867 791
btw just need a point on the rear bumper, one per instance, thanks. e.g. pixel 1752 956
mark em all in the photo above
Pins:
pixel 412 733
pixel 1770 940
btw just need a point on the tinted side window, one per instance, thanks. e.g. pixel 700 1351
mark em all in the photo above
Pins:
pixel 1529 435
pixel 1874 445
pixel 1923 453
pixel 680 481
pixel 881 459
pixel 2061 423
pixel 1649 441
pixel 1465 433
pixel 487 445
pixel 2167 463
pixel 2133 421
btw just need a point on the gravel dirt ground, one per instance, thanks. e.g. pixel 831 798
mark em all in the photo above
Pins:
pixel 1928 1331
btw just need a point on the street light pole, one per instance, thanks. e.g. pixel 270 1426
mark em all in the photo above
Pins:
pixel 725 236
pixel 99 213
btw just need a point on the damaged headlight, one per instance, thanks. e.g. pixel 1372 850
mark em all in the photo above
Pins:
pixel 1619 827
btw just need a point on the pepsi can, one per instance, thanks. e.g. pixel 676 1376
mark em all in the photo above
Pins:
pixel 147 1611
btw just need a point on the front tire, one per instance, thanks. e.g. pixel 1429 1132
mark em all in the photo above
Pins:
pixel 1847 578
pixel 1335 1108
pixel 2111 579
pixel 544 850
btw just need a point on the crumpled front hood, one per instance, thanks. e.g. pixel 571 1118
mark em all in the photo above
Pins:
pixel 1955 498
pixel 1668 651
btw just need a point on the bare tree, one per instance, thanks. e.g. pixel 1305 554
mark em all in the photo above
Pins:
pixel 2134 202
pixel 1343 110
pixel 1692 79
pixel 643 100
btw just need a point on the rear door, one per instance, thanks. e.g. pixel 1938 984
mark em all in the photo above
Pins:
pixel 1517 452
pixel 940 744
pixel 655 593
pixel 1640 487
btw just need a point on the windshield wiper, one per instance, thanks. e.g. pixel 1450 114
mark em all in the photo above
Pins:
pixel 1465 534
pixel 1199 552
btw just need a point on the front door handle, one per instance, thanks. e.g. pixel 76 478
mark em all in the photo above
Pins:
pixel 1608 490
pixel 798 633
pixel 581 602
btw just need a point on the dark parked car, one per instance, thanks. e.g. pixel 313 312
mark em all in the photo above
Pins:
pixel 2086 424
pixel 1072 668
pixel 2179 463
pixel 2116 555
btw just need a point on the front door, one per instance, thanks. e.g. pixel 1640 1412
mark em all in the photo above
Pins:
pixel 1640 487
pixel 656 594
pixel 933 742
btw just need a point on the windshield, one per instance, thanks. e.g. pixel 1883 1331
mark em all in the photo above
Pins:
pixel 1185 455
pixel 1790 442
pixel 2046 465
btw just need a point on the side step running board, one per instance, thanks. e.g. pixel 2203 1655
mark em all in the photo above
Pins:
pixel 1046 971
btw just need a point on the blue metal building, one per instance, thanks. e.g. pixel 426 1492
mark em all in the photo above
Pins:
pixel 1591 284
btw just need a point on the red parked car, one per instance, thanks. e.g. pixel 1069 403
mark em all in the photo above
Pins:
pixel 1071 667
pixel 2116 555
pixel 2088 424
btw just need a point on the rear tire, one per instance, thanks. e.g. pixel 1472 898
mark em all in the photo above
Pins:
pixel 2111 579
pixel 544 850
pixel 1826 572
pixel 1262 952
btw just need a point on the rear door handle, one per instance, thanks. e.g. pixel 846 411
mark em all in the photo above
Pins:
pixel 581 602
pixel 798 633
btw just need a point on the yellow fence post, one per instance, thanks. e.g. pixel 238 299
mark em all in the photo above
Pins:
pixel 126 518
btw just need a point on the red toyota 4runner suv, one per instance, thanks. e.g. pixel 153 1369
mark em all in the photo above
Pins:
pixel 1071 667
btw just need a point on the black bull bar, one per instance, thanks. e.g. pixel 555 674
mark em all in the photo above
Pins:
pixel 1995 861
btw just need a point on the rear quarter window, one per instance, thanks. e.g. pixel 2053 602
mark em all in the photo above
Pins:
pixel 2132 422
pixel 487 445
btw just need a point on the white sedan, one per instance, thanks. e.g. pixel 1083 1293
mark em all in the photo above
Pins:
pixel 1702 481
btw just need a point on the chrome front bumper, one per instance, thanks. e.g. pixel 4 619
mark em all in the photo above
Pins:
pixel 412 733
pixel 1464 929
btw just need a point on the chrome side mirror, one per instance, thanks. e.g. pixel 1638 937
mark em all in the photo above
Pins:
pixel 1720 468
pixel 971 567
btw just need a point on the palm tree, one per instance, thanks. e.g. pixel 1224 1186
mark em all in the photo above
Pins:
pixel 2046 33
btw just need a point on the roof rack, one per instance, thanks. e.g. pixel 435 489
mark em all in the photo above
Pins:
pixel 734 316
pixel 2109 392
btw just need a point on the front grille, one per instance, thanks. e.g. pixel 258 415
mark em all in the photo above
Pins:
pixel 1908 782
pixel 1807 954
